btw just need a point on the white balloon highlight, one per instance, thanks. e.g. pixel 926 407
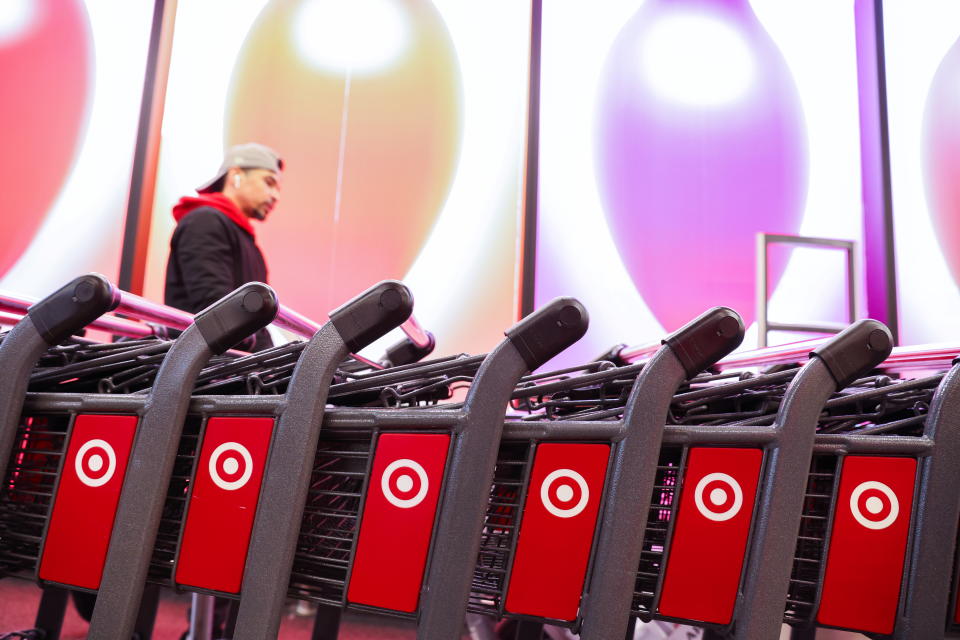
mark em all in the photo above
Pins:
pixel 360 36
pixel 696 59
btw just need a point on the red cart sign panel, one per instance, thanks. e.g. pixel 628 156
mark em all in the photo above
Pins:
pixel 397 522
pixel 223 503
pixel 861 585
pixel 710 535
pixel 556 534
pixel 85 504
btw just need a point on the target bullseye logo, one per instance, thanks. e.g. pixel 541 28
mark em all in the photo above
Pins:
pixel 230 466
pixel 874 505
pixel 95 463
pixel 724 497
pixel 404 483
pixel 564 493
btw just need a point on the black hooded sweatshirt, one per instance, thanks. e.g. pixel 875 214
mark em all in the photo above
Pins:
pixel 212 252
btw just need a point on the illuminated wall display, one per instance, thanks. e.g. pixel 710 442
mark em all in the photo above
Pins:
pixel 922 50
pixel 669 135
pixel 75 72
pixel 403 131
pixel 672 134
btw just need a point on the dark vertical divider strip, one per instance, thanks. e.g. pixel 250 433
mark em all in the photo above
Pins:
pixel 878 237
pixel 892 319
pixel 529 244
pixel 137 225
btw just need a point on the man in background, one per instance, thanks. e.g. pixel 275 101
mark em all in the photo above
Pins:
pixel 213 249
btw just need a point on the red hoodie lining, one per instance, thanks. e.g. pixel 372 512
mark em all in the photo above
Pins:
pixel 217 201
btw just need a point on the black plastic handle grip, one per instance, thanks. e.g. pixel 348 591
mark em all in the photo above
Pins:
pixel 549 330
pixel 855 350
pixel 73 306
pixel 371 314
pixel 407 352
pixel 706 339
pixel 237 315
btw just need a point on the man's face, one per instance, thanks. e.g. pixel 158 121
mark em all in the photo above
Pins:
pixel 257 192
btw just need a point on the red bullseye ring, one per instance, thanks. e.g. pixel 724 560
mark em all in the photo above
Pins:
pixel 95 463
pixel 404 483
pixel 564 493
pixel 231 466
pixel 718 497
pixel 874 505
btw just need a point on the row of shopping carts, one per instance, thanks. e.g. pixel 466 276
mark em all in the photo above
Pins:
pixel 675 482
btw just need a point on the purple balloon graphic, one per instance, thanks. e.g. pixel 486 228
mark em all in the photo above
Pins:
pixel 941 156
pixel 701 144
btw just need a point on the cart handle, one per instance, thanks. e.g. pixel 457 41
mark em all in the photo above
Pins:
pixel 144 309
pixel 236 316
pixel 419 336
pixel 140 308
pixel 149 311
pixel 856 350
pixel 706 339
pixel 15 306
pixel 925 356
pixel 304 327
pixel 630 355
pixel 549 330
pixel 73 307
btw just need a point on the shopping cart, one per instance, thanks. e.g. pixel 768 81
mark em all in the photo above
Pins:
pixel 752 470
pixel 239 439
pixel 133 369
pixel 747 486
pixel 880 511
pixel 562 468
pixel 336 503
pixel 63 534
pixel 331 557
pixel 880 501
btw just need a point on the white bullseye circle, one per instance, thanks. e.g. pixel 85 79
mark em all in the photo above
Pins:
pixel 231 469
pixel 404 483
pixel 95 462
pixel 718 496
pixel 871 504
pixel 564 493
pixel 709 513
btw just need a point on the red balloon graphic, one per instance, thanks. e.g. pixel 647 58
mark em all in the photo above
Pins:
pixel 941 156
pixel 46 55
pixel 362 188
pixel 701 144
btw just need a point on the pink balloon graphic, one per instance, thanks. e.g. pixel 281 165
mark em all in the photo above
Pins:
pixel 46 54
pixel 701 144
pixel 941 156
